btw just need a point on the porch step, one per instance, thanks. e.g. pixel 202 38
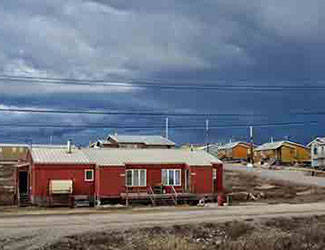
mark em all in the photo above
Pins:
pixel 24 200
pixel 164 201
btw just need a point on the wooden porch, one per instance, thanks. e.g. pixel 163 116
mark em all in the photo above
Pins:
pixel 156 198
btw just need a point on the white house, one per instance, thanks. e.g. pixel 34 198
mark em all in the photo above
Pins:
pixel 317 147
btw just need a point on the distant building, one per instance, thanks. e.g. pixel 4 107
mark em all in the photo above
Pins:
pixel 234 151
pixel 134 141
pixel 211 148
pixel 189 146
pixel 282 152
pixel 317 150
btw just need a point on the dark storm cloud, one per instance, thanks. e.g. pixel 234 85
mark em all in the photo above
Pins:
pixel 175 42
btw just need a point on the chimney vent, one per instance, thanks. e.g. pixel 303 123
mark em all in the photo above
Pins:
pixel 69 146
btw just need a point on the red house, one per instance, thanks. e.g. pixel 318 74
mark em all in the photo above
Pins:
pixel 88 176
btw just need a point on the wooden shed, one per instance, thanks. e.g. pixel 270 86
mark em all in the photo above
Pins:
pixel 282 152
pixel 10 155
pixel 123 175
pixel 14 172
pixel 234 151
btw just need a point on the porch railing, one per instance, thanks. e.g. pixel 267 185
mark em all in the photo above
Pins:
pixel 174 195
pixel 151 195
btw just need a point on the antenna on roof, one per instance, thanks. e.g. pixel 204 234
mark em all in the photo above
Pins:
pixel 251 134
pixel 207 134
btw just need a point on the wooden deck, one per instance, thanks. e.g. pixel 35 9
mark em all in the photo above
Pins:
pixel 142 195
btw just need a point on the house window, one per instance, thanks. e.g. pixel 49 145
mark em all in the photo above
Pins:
pixel 315 150
pixel 136 178
pixel 89 175
pixel 171 177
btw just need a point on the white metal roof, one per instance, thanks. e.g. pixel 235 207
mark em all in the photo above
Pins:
pixel 146 139
pixel 275 145
pixel 22 145
pixel 318 140
pixel 59 156
pixel 117 157
pixel 270 146
pixel 231 145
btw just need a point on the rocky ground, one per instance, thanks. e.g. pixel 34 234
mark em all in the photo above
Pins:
pixel 246 186
pixel 272 234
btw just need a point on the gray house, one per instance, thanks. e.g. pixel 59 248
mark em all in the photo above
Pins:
pixel 134 141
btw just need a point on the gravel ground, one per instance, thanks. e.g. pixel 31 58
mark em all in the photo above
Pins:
pixel 297 177
pixel 33 232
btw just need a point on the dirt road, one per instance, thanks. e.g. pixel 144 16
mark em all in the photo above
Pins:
pixel 32 232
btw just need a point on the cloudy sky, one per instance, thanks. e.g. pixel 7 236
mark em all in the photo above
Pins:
pixel 256 43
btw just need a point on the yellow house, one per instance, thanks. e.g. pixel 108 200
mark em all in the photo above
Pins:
pixel 283 152
pixel 234 151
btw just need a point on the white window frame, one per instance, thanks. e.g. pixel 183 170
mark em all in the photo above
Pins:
pixel 92 175
pixel 214 174
pixel 174 180
pixel 139 177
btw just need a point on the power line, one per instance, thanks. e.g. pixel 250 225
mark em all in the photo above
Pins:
pixel 145 113
pixel 97 126
pixel 148 84
pixel 120 112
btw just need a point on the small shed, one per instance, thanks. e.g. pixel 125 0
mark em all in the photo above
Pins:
pixel 282 152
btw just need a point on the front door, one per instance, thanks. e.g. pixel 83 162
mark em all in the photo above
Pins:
pixel 23 182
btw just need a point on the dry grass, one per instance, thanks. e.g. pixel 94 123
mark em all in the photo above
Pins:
pixel 268 190
pixel 274 234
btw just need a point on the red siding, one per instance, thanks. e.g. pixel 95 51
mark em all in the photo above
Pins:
pixel 202 180
pixel 42 174
pixel 111 181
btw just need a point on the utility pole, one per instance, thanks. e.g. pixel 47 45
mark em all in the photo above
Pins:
pixel 166 129
pixel 251 142
pixel 207 134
